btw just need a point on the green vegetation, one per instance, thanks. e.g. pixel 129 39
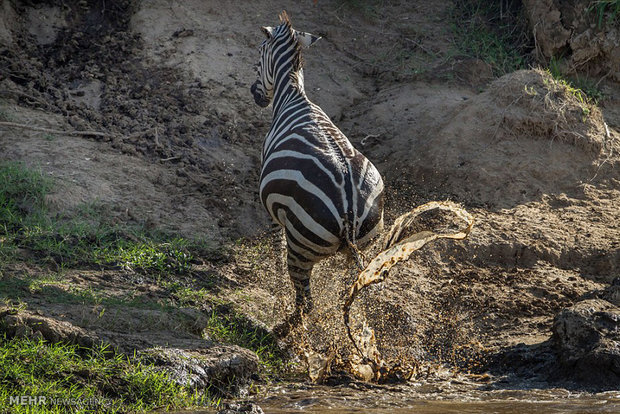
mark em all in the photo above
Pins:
pixel 22 196
pixel 584 89
pixel 98 379
pixel 149 256
pixel 192 296
pixel 229 327
pixel 493 32
pixel 83 239
pixel 554 84
pixel 56 290
pixel 602 8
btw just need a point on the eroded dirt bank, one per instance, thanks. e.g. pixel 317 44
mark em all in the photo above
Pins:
pixel 167 86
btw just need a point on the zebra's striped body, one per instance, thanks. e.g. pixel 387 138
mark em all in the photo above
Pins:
pixel 314 183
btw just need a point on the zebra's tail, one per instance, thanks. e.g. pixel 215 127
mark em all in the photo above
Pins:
pixel 349 234
pixel 357 255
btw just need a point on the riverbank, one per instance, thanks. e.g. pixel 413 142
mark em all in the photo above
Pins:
pixel 136 263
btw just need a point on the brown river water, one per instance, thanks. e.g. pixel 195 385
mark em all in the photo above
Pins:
pixel 458 396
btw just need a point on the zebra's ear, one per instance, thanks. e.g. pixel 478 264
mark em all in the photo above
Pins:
pixel 268 31
pixel 306 39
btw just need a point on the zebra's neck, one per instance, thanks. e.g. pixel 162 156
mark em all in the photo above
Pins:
pixel 289 88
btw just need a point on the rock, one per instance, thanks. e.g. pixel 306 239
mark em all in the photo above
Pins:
pixel 563 31
pixel 587 339
pixel 241 408
pixel 218 366
pixel 612 292
pixel 24 323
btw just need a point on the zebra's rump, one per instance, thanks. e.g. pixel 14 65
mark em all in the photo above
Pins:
pixel 321 193
pixel 303 208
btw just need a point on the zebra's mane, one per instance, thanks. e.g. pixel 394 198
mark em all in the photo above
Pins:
pixel 286 28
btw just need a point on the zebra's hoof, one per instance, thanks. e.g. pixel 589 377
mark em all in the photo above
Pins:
pixel 307 307
pixel 284 328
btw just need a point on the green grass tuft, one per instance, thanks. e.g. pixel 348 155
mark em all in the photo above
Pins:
pixel 586 90
pixel 22 196
pixel 102 381
pixel 148 256
pixel 605 8
pixel 228 327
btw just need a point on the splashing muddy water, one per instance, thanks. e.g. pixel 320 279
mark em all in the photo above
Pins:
pixel 321 341
pixel 371 366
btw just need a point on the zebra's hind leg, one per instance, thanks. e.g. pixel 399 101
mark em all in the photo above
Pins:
pixel 279 246
pixel 299 272
pixel 301 282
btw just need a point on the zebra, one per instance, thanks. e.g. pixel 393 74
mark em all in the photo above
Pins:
pixel 324 193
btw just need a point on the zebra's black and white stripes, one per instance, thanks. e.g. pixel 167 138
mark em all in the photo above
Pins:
pixel 314 183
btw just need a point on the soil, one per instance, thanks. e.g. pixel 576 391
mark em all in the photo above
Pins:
pixel 167 83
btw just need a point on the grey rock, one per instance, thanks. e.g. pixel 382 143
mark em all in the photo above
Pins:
pixel 612 292
pixel 587 339
pixel 241 408
pixel 217 366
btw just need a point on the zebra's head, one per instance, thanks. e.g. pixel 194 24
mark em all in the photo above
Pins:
pixel 280 52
